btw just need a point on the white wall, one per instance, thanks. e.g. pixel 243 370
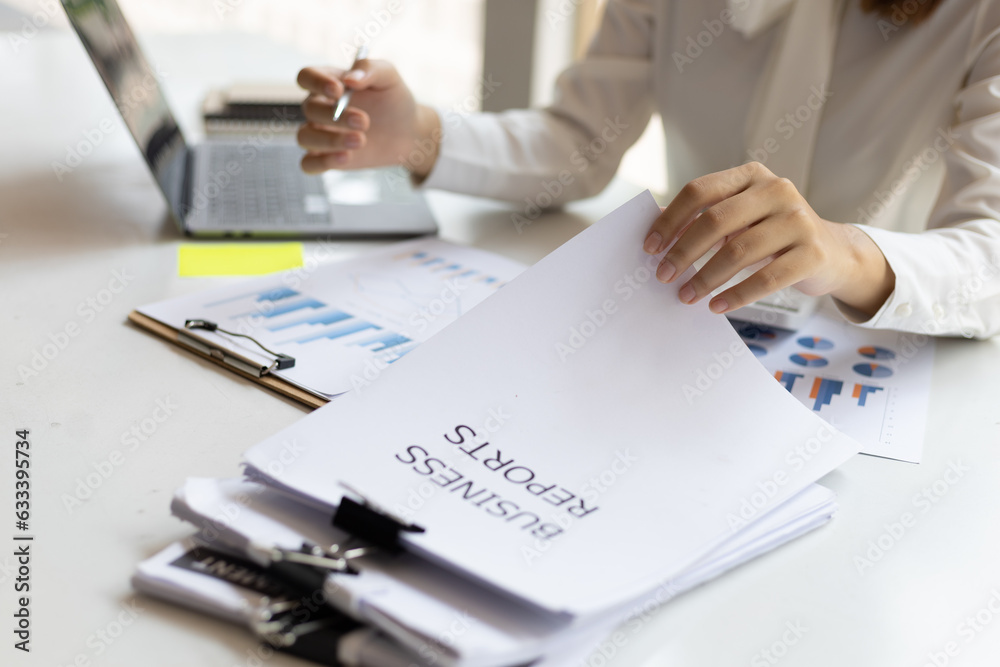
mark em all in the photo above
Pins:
pixel 436 44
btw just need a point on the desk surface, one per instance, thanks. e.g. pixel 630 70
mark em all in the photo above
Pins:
pixel 62 245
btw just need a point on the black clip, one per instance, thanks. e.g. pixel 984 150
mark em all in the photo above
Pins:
pixel 281 361
pixel 305 570
pixel 371 525
pixel 309 632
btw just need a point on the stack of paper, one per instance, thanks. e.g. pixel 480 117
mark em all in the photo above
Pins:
pixel 543 462
pixel 414 601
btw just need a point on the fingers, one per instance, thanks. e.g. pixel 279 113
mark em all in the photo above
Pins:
pixel 317 163
pixel 323 139
pixel 751 216
pixel 726 218
pixel 331 82
pixel 786 270
pixel 696 196
pixel 322 81
pixel 327 85
pixel 328 147
pixel 742 252
pixel 319 110
pixel 372 74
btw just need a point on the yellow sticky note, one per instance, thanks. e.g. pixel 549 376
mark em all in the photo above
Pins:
pixel 237 259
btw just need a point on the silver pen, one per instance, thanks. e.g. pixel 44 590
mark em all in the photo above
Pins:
pixel 345 99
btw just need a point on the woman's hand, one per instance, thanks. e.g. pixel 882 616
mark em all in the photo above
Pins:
pixel 753 217
pixel 383 125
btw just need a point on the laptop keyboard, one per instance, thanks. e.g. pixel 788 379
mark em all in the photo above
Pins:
pixel 268 188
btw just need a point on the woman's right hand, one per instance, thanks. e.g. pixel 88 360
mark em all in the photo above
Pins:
pixel 383 126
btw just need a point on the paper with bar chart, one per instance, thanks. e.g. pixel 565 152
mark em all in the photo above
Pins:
pixel 345 322
pixel 873 385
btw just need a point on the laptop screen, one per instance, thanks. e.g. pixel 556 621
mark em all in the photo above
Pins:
pixel 136 92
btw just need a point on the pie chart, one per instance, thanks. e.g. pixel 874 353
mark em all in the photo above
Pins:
pixel 873 352
pixel 873 370
pixel 810 360
pixel 816 343
pixel 757 350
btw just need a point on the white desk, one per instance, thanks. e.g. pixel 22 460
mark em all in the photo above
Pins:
pixel 62 244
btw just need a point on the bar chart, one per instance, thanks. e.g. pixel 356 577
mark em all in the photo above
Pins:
pixel 872 385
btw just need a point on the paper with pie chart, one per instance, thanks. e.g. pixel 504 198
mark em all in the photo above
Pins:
pixel 873 385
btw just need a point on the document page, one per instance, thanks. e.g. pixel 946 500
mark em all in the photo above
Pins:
pixel 495 434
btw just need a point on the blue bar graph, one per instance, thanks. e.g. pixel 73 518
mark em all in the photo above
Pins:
pixel 787 379
pixel 384 341
pixel 823 390
pixel 351 327
pixel 441 264
pixel 278 294
pixel 286 308
pixel 861 392
pixel 331 317
pixel 274 294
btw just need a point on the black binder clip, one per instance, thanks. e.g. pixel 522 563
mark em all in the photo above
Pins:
pixel 310 633
pixel 283 615
pixel 371 524
pixel 281 361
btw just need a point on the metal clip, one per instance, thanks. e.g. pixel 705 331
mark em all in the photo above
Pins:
pixel 275 623
pixel 281 361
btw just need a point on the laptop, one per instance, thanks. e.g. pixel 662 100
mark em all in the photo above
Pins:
pixel 234 188
pixel 787 308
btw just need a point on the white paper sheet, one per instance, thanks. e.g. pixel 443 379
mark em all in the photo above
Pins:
pixel 348 321
pixel 873 385
pixel 490 434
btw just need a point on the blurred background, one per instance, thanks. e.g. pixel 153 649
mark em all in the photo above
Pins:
pixel 442 47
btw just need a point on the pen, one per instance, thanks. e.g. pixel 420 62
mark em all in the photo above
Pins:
pixel 345 99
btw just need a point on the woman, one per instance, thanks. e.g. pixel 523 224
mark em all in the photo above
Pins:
pixel 786 119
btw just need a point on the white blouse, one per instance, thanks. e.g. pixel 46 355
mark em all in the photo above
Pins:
pixel 907 147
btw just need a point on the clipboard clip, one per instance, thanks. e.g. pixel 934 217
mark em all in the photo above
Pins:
pixel 370 523
pixel 281 361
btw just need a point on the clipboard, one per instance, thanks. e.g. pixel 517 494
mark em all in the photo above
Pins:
pixel 339 319
pixel 227 360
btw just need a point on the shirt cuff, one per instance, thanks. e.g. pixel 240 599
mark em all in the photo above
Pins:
pixel 916 303
pixel 456 167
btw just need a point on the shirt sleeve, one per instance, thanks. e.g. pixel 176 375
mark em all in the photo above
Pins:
pixel 572 148
pixel 948 277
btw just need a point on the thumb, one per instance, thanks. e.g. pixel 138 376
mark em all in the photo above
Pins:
pixel 371 74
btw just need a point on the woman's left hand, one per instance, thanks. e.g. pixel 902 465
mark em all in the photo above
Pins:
pixel 754 216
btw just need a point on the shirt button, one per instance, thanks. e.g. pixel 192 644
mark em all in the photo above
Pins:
pixel 904 310
pixel 938 312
